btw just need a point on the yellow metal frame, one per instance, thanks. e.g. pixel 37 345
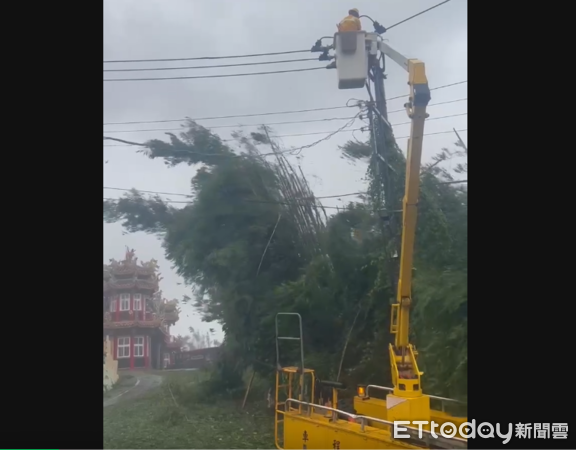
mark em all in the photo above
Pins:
pixel 325 428
pixel 290 372
pixel 314 426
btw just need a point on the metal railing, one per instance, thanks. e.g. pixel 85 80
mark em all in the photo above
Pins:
pixel 443 400
pixel 424 436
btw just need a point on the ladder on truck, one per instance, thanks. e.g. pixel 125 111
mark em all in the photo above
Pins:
pixel 285 377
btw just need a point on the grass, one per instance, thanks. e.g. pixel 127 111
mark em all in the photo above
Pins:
pixel 170 418
pixel 124 381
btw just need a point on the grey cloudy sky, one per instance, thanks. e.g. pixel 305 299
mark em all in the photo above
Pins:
pixel 151 29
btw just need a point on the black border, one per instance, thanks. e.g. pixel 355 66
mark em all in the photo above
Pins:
pixel 51 336
pixel 520 325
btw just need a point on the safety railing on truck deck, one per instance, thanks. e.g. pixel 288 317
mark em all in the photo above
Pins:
pixel 443 400
pixel 424 437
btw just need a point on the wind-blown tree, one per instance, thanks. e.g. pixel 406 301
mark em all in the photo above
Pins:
pixel 239 237
pixel 253 242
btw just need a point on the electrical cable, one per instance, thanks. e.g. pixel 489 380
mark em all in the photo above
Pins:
pixel 281 136
pixel 350 194
pixel 416 15
pixel 273 123
pixel 203 58
pixel 304 147
pixel 292 150
pixel 329 119
pixel 216 76
pixel 212 67
pixel 188 195
pixel 286 112
pixel 249 201
pixel 229 117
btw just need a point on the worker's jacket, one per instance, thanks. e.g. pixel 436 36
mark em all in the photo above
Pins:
pixel 349 23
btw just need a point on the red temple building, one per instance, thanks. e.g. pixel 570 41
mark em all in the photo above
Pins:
pixel 136 318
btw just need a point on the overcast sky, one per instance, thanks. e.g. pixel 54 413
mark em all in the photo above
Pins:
pixel 153 29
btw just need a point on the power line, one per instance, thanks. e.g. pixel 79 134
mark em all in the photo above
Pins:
pixel 212 67
pixel 216 76
pixel 416 15
pixel 329 119
pixel 297 151
pixel 231 140
pixel 275 123
pixel 250 201
pixel 268 114
pixel 292 150
pixel 301 134
pixel 267 201
pixel 147 192
pixel 284 135
pixel 254 73
pixel 229 117
pixel 203 58
pixel 320 197
pixel 290 111
pixel 354 129
pixel 188 195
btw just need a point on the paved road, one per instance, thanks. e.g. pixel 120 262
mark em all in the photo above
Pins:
pixel 144 382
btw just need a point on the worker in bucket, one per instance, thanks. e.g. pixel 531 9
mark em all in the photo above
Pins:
pixel 351 22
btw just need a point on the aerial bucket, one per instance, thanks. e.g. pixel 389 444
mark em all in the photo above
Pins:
pixel 351 59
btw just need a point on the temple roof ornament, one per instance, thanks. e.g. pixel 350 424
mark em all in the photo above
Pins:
pixel 130 266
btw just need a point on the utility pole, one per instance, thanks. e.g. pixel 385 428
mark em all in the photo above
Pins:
pixel 381 132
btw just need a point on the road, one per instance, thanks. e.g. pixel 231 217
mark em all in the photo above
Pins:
pixel 144 382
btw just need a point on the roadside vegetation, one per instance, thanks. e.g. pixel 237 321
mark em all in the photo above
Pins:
pixel 183 414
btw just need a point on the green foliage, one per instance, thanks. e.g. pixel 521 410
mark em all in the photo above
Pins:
pixel 223 382
pixel 441 320
pixel 161 419
pixel 249 253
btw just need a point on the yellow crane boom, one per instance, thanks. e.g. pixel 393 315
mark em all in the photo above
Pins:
pixel 402 353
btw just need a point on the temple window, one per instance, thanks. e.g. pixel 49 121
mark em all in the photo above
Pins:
pixel 123 347
pixel 138 346
pixel 137 302
pixel 124 302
